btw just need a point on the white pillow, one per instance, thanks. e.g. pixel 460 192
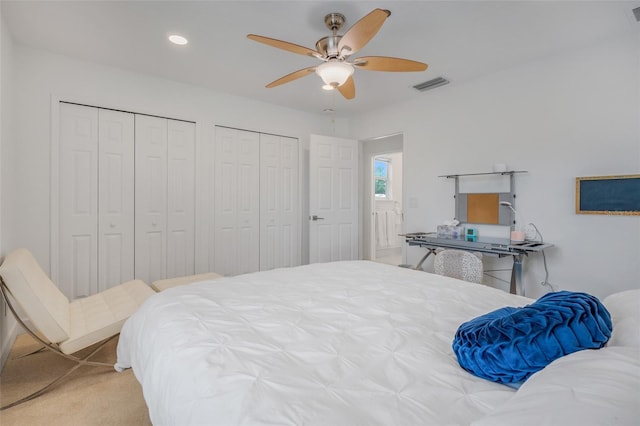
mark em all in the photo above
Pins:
pixel 589 387
pixel 624 308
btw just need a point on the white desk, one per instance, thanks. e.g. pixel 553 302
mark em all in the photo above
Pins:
pixel 496 246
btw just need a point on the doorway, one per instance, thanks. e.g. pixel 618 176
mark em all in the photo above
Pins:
pixel 383 208
pixel 387 208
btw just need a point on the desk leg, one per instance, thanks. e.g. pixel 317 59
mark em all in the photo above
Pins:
pixel 419 265
pixel 516 275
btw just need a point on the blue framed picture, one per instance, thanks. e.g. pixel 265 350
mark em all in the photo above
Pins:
pixel 611 195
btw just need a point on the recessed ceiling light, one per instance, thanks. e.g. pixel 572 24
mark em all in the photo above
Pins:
pixel 177 39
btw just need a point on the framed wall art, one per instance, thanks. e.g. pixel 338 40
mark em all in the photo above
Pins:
pixel 611 195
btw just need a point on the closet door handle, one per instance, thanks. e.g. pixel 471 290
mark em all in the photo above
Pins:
pixel 314 218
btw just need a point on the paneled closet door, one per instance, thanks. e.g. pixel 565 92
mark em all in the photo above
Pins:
pixel 181 199
pixel 115 198
pixel 95 170
pixel 165 198
pixel 237 198
pixel 279 213
pixel 150 198
pixel 78 200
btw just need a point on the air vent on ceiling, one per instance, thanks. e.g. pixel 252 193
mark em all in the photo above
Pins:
pixel 636 13
pixel 431 84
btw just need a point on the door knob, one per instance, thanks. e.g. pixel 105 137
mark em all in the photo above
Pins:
pixel 314 218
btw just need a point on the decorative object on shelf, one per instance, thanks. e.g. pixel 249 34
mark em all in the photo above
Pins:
pixel 610 195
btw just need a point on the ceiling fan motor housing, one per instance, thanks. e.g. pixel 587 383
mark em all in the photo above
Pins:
pixel 328 46
pixel 334 21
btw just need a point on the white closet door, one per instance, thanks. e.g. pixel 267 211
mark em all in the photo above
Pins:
pixel 115 198
pixel 225 201
pixel 270 202
pixel 150 198
pixel 248 191
pixel 237 212
pixel 78 174
pixel 279 239
pixel 290 210
pixel 181 199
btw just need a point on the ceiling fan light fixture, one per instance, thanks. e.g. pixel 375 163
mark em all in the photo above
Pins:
pixel 328 87
pixel 334 73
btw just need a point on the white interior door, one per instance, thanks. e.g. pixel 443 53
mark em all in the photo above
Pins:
pixel 150 198
pixel 237 198
pixel 333 199
pixel 289 208
pixel 180 199
pixel 279 236
pixel 115 198
pixel 78 183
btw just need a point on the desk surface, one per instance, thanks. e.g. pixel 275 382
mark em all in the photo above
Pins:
pixel 481 244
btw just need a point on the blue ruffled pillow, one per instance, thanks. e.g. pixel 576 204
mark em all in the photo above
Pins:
pixel 510 344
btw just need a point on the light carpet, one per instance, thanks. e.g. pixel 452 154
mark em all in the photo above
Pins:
pixel 89 396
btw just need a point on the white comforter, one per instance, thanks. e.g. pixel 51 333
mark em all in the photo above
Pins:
pixel 345 343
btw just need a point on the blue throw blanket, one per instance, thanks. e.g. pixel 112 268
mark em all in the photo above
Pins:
pixel 510 344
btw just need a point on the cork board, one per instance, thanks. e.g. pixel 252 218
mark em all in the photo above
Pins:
pixel 483 208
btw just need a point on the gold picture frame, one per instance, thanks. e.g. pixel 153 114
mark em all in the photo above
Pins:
pixel 608 195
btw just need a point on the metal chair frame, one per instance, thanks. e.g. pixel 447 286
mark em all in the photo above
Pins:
pixel 6 293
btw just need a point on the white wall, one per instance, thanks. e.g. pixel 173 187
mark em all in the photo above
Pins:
pixel 41 76
pixel 8 326
pixel 574 114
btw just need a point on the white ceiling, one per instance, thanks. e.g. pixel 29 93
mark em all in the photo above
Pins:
pixel 460 40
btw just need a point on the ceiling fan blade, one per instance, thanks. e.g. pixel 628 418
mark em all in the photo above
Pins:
pixel 385 63
pixel 285 45
pixel 348 89
pixel 290 77
pixel 362 31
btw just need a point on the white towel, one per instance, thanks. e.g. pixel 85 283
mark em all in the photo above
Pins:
pixel 381 230
pixel 391 228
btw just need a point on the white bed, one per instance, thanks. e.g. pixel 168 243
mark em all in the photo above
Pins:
pixel 345 343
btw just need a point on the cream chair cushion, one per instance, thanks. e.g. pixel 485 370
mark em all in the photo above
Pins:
pixel 161 285
pixel 97 317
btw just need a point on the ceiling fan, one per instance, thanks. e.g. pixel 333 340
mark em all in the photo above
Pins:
pixel 337 68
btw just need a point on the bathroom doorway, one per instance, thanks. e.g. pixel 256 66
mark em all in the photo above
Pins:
pixel 383 199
